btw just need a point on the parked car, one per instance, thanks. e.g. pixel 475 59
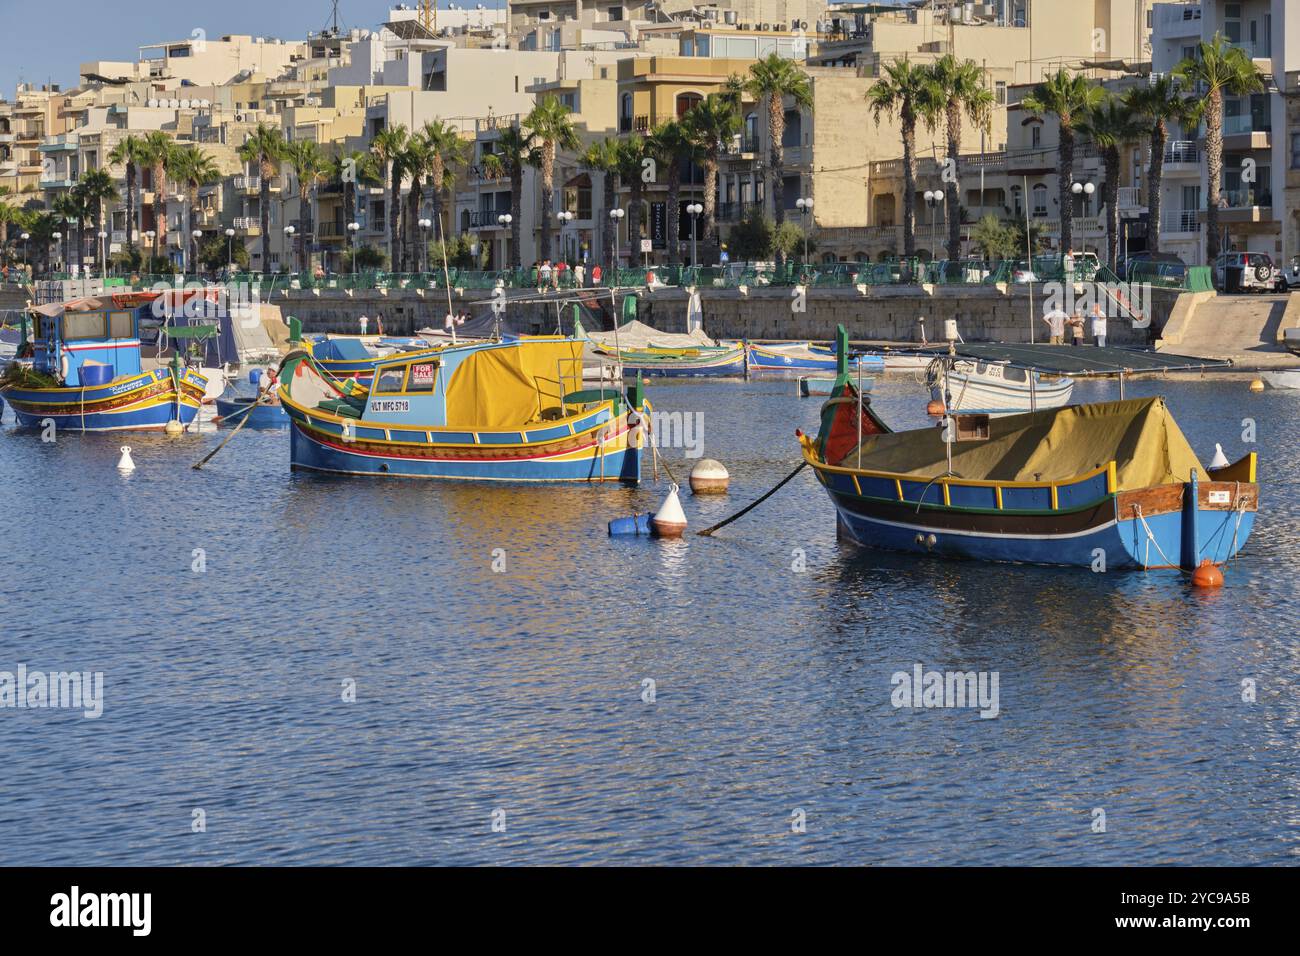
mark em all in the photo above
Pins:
pixel 1244 272
pixel 1165 263
pixel 1289 278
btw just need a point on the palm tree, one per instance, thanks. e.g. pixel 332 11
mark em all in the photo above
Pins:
pixel 514 150
pixel 66 211
pixel 959 87
pixel 447 152
pixel 414 161
pixel 8 214
pixel 387 147
pixel 1160 103
pixel 308 164
pixel 671 145
pixel 159 150
pixel 603 158
pixel 632 154
pixel 193 168
pixel 265 146
pixel 130 152
pixel 1217 68
pixel 1070 99
pixel 349 170
pixel 96 188
pixel 772 80
pixel 1112 126
pixel 712 124
pixel 905 91
pixel 551 124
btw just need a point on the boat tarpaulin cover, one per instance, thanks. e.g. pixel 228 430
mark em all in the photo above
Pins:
pixel 1139 435
pixel 638 335
pixel 511 385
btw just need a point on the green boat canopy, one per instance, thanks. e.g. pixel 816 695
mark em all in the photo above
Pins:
pixel 1139 435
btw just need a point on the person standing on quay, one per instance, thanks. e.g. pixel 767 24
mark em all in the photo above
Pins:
pixel 1056 320
pixel 1099 325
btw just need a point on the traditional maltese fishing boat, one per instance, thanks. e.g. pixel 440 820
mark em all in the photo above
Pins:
pixel 487 410
pixel 1110 485
pixel 355 357
pixel 804 357
pixel 82 370
pixel 996 388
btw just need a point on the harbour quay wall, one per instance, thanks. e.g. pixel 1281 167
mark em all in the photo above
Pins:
pixel 885 314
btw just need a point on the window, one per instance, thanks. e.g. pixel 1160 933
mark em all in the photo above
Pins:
pixel 84 325
pixel 1295 150
pixel 1035 136
pixel 121 325
pixel 685 101
pixel 1040 200
pixel 1000 93
pixel 615 13
pixel 389 380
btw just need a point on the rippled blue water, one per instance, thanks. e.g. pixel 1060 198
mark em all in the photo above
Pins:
pixel 522 691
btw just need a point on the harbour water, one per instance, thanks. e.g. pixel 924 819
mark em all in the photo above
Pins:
pixel 499 644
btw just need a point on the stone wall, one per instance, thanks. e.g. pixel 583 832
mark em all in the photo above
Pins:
pixel 889 314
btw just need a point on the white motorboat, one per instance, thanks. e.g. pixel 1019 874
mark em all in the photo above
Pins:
pixel 996 388
pixel 1283 378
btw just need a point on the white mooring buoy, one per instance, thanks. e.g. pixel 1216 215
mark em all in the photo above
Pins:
pixel 173 427
pixel 125 463
pixel 709 477
pixel 669 520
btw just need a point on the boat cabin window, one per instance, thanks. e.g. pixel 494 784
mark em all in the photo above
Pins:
pixel 121 325
pixel 389 380
pixel 422 377
pixel 84 325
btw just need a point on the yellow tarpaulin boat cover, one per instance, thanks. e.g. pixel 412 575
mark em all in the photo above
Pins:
pixel 512 385
pixel 1139 435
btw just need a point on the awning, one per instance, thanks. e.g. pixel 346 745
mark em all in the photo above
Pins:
pixel 1077 360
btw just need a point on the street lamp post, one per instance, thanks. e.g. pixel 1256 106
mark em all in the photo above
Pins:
pixel 1079 189
pixel 565 218
pixel 425 226
pixel 288 240
pixel 504 220
pixel 353 229
pixel 196 235
pixel 103 253
pixel 805 207
pixel 693 210
pixel 25 236
pixel 934 199
pixel 58 249
pixel 615 215
pixel 230 252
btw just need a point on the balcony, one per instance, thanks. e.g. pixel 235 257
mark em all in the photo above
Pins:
pixel 7 137
pixel 1247 204
pixel 1182 222
pixel 57 182
pixel 252 185
pixel 1181 155
pixel 735 211
pixel 247 225
pixel 486 218
pixel 1130 201
pixel 1090 226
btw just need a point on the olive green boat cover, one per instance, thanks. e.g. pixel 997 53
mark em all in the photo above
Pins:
pixel 1139 435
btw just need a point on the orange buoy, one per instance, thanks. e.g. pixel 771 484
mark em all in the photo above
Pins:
pixel 934 408
pixel 1257 385
pixel 1207 575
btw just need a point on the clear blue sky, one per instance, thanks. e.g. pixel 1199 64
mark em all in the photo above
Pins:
pixel 46 42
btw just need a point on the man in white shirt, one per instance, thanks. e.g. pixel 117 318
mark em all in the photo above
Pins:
pixel 1056 320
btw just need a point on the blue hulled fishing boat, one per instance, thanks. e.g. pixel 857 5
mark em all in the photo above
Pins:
pixel 1112 482
pixel 484 411
pixel 82 370
pixel 804 357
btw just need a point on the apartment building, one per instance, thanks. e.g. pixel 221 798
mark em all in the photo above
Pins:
pixel 1260 149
